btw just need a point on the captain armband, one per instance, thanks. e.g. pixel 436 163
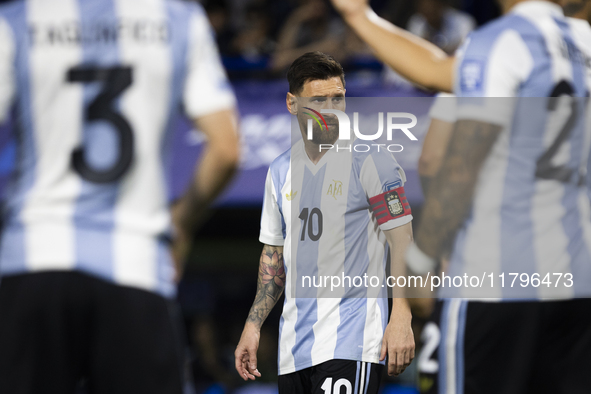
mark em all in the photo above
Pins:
pixel 390 205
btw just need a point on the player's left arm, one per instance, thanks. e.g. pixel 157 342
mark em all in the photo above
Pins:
pixel 450 196
pixel 398 342
pixel 213 173
pixel 209 101
pixel 383 181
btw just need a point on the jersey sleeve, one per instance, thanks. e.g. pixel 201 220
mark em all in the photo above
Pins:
pixel 490 69
pixel 7 77
pixel 206 88
pixel 383 180
pixel 271 218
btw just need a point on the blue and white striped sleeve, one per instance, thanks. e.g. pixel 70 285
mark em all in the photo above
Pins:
pixel 207 89
pixel 7 74
pixel 271 219
pixel 492 66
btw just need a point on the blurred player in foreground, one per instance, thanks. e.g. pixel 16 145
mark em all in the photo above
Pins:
pixel 87 277
pixel 329 343
pixel 505 198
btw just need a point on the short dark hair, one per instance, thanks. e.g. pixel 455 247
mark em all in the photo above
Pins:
pixel 313 66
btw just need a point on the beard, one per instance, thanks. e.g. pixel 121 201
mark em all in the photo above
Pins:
pixel 321 135
pixel 324 136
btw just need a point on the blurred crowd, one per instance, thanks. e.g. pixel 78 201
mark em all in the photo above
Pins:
pixel 260 38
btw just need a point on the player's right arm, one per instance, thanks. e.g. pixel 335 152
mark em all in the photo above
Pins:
pixel 270 282
pixel 443 118
pixel 433 152
pixel 490 73
pixel 270 286
pixel 412 57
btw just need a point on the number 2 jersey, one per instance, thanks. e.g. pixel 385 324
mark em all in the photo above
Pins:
pixel 92 88
pixel 530 212
pixel 330 217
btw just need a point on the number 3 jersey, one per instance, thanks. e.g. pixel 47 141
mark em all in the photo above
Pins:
pixel 330 217
pixel 530 212
pixel 93 87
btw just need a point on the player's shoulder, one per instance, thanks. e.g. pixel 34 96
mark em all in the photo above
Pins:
pixel 484 39
pixel 13 21
pixel 581 29
pixel 12 10
pixel 184 8
pixel 360 153
pixel 280 165
pixel 374 152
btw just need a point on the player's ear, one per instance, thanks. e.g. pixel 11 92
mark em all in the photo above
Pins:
pixel 292 103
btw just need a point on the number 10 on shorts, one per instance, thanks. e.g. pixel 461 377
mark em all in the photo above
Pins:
pixel 336 389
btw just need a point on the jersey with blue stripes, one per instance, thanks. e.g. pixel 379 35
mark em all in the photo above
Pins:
pixel 323 217
pixel 530 210
pixel 92 88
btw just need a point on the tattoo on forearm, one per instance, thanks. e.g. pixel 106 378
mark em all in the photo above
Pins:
pixel 270 284
pixel 450 193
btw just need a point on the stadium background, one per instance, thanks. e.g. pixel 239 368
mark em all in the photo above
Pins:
pixel 256 42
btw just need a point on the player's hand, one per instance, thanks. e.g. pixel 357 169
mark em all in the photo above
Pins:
pixel 246 353
pixel 398 342
pixel 350 7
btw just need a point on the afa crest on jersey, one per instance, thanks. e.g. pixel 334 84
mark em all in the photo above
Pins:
pixel 335 189
pixel 472 75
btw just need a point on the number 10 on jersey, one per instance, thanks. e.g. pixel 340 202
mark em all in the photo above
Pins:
pixel 309 217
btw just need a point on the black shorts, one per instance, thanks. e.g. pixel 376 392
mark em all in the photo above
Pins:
pixel 60 328
pixel 474 347
pixel 335 377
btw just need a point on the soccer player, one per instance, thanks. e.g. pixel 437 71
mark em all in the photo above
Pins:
pixel 510 198
pixel 87 279
pixel 329 344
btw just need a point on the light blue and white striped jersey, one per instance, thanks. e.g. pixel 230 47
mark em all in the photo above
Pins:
pixel 339 236
pixel 530 211
pixel 93 86
pixel 582 34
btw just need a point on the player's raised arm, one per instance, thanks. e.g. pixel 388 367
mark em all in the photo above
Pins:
pixel 270 286
pixel 412 57
pixel 398 342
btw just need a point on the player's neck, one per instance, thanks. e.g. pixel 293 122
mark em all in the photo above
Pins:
pixel 507 5
pixel 585 13
pixel 578 10
pixel 313 151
